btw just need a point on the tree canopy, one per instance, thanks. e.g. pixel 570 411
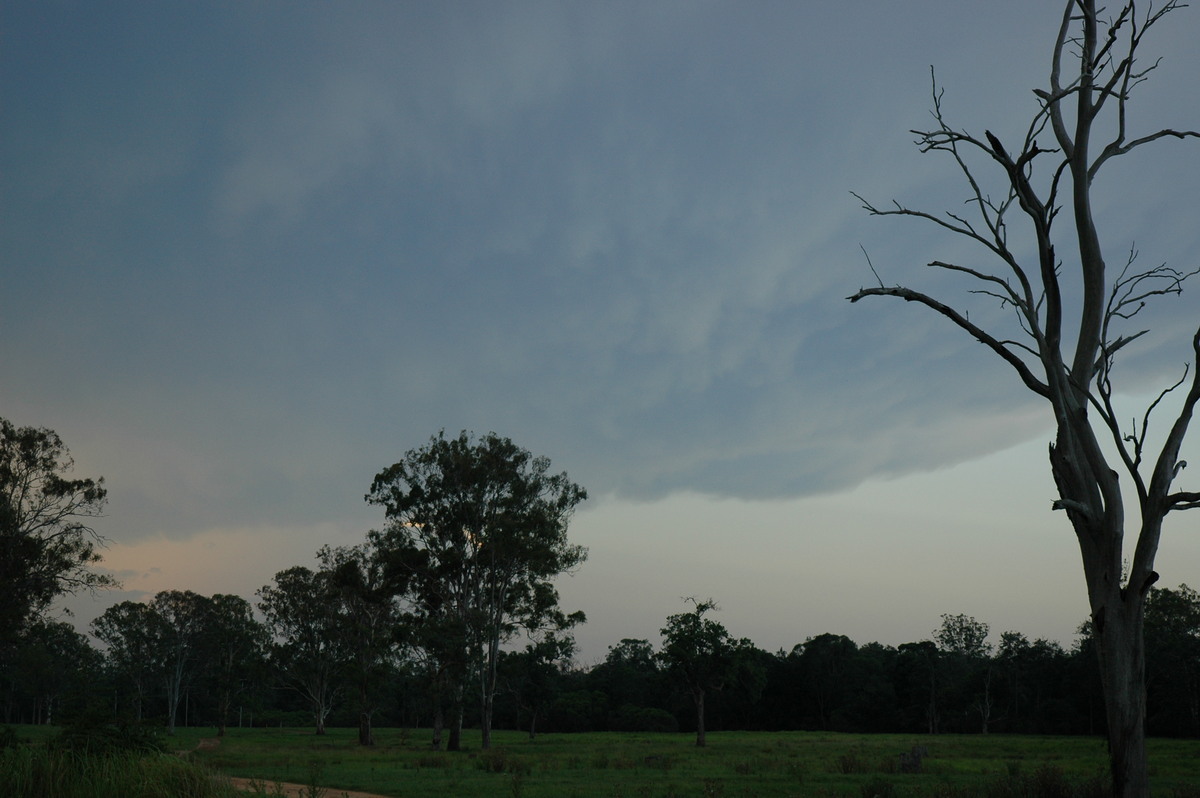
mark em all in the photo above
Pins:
pixel 478 529
pixel 47 547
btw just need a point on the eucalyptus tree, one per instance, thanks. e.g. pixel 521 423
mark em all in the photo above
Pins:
pixel 47 546
pixel 55 666
pixel 827 668
pixel 967 660
pixel 183 617
pixel 479 526
pixel 234 648
pixel 1173 661
pixel 532 675
pixel 700 652
pixel 631 677
pixel 1073 312
pixel 368 612
pixel 132 632
pixel 308 652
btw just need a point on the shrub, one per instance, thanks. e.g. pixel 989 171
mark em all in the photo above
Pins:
pixel 878 788
pixel 104 739
pixel 850 763
pixel 498 760
pixel 642 719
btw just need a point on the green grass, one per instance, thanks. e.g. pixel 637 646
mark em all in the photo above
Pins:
pixel 630 765
pixel 35 771
pixel 666 765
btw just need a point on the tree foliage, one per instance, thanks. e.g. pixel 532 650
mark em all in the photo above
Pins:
pixel 308 653
pixel 183 616
pixel 366 606
pixel 233 645
pixel 701 654
pixel 133 633
pixel 477 529
pixel 47 547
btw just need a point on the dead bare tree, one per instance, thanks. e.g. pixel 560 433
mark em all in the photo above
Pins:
pixel 1095 67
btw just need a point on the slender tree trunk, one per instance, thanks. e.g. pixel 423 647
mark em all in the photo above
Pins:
pixel 223 712
pixel 366 736
pixel 985 704
pixel 319 711
pixel 439 722
pixel 488 686
pixel 701 737
pixel 456 719
pixel 931 711
pixel 173 704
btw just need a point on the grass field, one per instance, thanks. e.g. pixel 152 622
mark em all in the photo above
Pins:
pixel 631 765
pixel 628 765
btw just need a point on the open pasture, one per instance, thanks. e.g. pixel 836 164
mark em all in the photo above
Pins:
pixel 630 765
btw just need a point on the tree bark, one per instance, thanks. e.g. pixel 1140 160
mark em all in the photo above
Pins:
pixel 487 683
pixel 365 735
pixel 1121 650
pixel 456 720
pixel 439 723
pixel 701 735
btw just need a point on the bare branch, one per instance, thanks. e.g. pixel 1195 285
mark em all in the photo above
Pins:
pixel 1183 501
pixel 1074 506
pixel 978 333
pixel 871 265
pixel 1117 147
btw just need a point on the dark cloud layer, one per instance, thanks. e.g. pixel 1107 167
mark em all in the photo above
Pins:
pixel 253 255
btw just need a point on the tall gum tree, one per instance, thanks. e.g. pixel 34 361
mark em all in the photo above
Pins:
pixel 1066 350
pixel 478 527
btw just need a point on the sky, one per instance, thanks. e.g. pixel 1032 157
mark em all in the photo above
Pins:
pixel 252 253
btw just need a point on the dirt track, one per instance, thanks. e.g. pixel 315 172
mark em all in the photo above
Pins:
pixel 295 790
pixel 273 788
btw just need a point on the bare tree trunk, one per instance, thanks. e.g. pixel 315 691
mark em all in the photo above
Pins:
pixel 698 697
pixel 365 734
pixel 439 723
pixel 1093 69
pixel 223 703
pixel 985 703
pixel 456 719
pixel 1122 654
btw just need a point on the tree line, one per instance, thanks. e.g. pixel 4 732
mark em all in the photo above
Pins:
pixel 183 658
pixel 475 532
pixel 447 618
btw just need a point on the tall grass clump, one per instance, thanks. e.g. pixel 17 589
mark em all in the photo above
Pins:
pixel 54 772
pixel 1048 781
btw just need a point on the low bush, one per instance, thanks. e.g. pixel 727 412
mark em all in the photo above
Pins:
pixel 40 771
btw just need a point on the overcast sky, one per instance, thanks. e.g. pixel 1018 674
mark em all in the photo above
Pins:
pixel 252 253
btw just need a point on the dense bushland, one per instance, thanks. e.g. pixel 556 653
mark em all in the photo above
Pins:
pixel 955 682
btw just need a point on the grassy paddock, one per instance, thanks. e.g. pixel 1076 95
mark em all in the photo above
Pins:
pixel 629 765
pixel 612 765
